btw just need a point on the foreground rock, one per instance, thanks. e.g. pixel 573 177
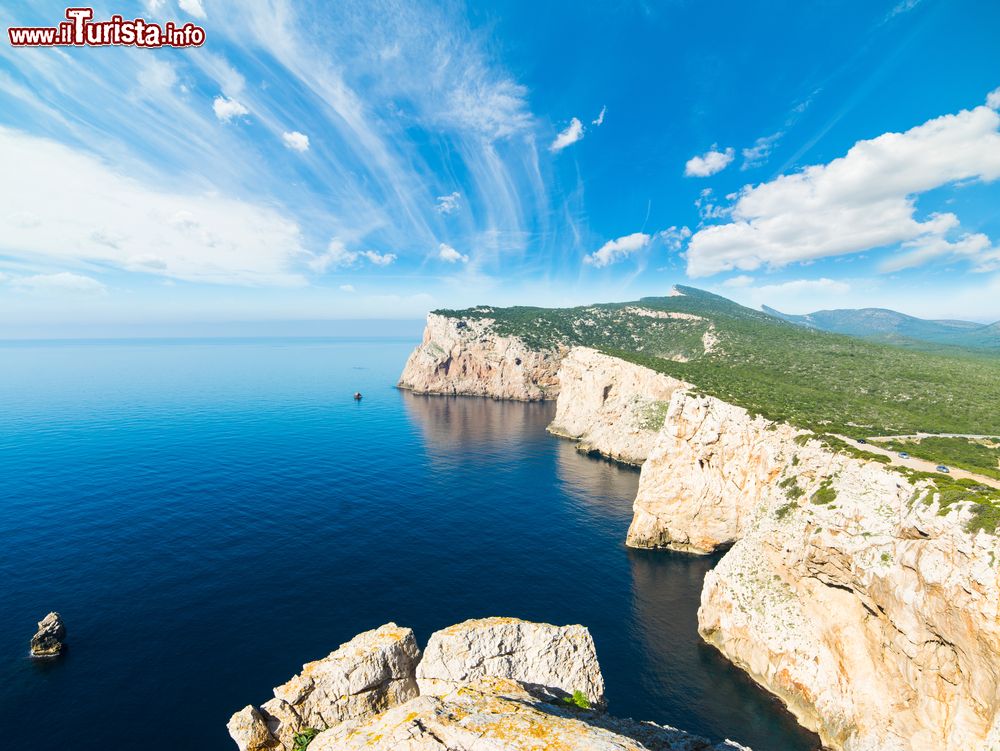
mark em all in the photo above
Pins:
pixel 364 696
pixel 502 715
pixel 48 641
pixel 611 406
pixel 459 356
pixel 562 659
pixel 372 672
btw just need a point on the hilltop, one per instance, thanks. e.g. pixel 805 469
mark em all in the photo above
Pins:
pixel 892 327
pixel 827 382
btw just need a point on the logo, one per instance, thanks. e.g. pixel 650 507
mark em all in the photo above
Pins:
pixel 80 30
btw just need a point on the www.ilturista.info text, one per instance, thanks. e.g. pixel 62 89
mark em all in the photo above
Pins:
pixel 80 30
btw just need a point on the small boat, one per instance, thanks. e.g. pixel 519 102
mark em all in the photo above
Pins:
pixel 357 396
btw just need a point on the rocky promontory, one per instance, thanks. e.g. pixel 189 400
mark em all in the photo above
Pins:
pixel 495 683
pixel 48 640
pixel 865 597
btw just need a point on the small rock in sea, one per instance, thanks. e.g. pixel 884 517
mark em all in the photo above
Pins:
pixel 48 641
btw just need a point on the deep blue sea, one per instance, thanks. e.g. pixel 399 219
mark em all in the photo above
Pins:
pixel 209 515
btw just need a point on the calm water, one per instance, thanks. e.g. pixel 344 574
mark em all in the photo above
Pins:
pixel 207 516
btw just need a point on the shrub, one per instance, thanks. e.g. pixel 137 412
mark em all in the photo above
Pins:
pixel 578 700
pixel 303 739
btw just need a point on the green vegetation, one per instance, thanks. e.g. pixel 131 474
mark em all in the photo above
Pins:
pixel 786 509
pixel 303 739
pixel 825 494
pixel 950 491
pixel 828 383
pixel 791 487
pixel 578 700
pixel 980 456
pixel 836 444
pixel 654 415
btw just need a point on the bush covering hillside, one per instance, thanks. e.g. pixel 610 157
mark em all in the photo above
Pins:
pixel 826 382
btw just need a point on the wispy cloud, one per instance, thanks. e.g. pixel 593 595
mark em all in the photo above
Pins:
pixel 448 204
pixel 599 120
pixel 756 155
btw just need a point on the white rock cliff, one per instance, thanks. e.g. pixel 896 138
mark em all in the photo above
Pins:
pixel 874 617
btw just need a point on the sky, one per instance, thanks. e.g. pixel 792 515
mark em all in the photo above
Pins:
pixel 320 161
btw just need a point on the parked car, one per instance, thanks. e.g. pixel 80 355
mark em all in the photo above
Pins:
pixel 942 468
pixel 903 455
pixel 862 440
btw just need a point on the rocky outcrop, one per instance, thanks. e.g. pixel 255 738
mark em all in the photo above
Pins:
pixel 372 672
pixel 611 406
pixel 48 640
pixel 503 715
pixel 467 357
pixel 364 696
pixel 560 659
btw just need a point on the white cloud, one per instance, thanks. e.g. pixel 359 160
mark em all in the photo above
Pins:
pixel 738 282
pixel 758 154
pixel 94 214
pixel 617 250
pixel 62 282
pixel 227 109
pixel 903 6
pixel 337 255
pixel 449 254
pixel 804 286
pixel 975 247
pixel 379 259
pixel 448 204
pixel 295 140
pixel 674 237
pixel 709 163
pixel 572 134
pixel 993 99
pixel 600 118
pixel 347 288
pixel 194 7
pixel 708 209
pixel 864 200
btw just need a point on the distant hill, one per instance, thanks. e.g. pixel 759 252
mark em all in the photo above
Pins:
pixel 892 327
pixel 828 382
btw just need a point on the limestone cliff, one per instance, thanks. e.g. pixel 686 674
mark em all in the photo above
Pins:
pixel 611 406
pixel 468 357
pixel 847 594
pixel 848 591
pixel 495 683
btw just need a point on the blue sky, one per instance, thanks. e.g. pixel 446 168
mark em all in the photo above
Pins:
pixel 330 160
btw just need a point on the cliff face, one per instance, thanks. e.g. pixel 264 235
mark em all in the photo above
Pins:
pixel 847 591
pixel 467 357
pixel 871 615
pixel 611 406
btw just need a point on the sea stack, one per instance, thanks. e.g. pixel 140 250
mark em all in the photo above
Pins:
pixel 48 641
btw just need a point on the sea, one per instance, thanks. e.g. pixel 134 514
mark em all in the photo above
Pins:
pixel 208 515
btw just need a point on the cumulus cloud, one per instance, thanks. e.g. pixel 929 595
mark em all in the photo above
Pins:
pixel 708 208
pixel 758 154
pixel 572 134
pixel 62 282
pixel 617 250
pixel 448 204
pixel 295 140
pixel 709 163
pixel 194 7
pixel 600 118
pixel 346 288
pixel 450 255
pixel 226 109
pixel 93 214
pixel 338 255
pixel 863 200
pixel 993 99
